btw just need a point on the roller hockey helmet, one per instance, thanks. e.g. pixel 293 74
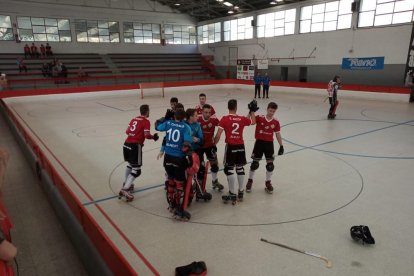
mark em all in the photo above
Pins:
pixel 362 233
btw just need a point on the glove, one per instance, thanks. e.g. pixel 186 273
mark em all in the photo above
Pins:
pixel 253 106
pixel 281 150
pixel 214 150
pixel 186 148
pixel 155 136
pixel 169 115
pixel 159 121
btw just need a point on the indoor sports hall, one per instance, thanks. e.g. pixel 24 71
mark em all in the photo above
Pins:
pixel 64 136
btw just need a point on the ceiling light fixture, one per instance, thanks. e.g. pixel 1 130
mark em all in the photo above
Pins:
pixel 228 4
pixel 177 4
pixel 272 3
pixel 220 0
pixel 279 0
pixel 230 12
pixel 236 7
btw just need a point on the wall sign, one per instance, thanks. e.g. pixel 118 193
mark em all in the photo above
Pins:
pixel 262 64
pixel 245 69
pixel 366 63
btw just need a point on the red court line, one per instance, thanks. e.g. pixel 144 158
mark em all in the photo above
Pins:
pixel 67 90
pixel 133 247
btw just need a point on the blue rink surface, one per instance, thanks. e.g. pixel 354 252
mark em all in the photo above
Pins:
pixel 356 169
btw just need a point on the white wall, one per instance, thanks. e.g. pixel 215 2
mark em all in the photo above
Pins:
pixel 114 10
pixel 391 42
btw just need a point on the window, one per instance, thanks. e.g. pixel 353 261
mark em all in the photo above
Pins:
pixel 6 31
pixel 325 17
pixel 44 29
pixel 276 23
pixel 179 34
pixel 238 29
pixel 135 32
pixel 209 33
pixel 96 31
pixel 385 12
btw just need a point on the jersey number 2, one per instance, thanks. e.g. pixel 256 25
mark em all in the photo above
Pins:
pixel 236 127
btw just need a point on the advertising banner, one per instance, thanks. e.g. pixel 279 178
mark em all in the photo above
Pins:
pixel 245 69
pixel 365 63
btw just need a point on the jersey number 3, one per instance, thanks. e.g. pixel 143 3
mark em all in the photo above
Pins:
pixel 134 126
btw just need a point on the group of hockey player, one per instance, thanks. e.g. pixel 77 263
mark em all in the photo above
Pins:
pixel 191 137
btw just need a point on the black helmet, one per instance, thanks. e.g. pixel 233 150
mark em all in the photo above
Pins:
pixel 362 233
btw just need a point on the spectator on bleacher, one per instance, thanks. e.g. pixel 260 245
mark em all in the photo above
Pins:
pixel 42 50
pixel 34 51
pixel 48 50
pixel 45 69
pixel 4 85
pixel 21 65
pixel 27 51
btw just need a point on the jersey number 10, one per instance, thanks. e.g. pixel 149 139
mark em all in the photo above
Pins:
pixel 173 135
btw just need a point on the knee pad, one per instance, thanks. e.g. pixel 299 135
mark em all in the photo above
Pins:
pixel 214 168
pixel 270 167
pixel 254 166
pixel 136 171
pixel 228 170
pixel 240 170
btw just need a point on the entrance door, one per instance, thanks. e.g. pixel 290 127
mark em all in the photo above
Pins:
pixel 303 74
pixel 232 61
pixel 284 74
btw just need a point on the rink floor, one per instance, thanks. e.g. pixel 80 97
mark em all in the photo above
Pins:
pixel 356 169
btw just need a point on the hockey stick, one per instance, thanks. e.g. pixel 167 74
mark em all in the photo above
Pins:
pixel 328 262
pixel 326 99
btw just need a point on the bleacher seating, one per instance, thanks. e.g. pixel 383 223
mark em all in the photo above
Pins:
pixel 107 69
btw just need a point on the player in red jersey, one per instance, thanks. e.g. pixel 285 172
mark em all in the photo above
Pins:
pixel 138 130
pixel 235 155
pixel 208 126
pixel 266 125
pixel 199 108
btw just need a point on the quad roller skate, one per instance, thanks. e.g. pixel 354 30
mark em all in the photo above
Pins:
pixel 240 196
pixel 204 196
pixel 230 198
pixel 249 185
pixel 217 185
pixel 181 214
pixel 126 194
pixel 131 188
pixel 269 187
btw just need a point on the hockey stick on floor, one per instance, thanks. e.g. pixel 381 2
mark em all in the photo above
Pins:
pixel 328 262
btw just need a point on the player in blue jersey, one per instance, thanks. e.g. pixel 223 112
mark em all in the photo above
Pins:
pixel 266 84
pixel 257 82
pixel 196 131
pixel 177 142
